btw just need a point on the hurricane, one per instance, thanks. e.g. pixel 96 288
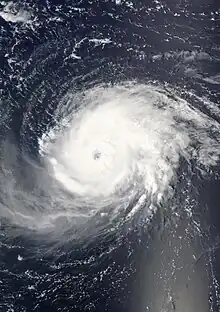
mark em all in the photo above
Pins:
pixel 110 146
pixel 109 157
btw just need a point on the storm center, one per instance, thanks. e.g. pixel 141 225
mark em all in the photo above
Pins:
pixel 96 155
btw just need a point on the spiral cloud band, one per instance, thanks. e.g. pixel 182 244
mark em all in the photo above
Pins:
pixel 112 144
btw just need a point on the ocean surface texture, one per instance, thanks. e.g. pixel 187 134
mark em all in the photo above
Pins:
pixel 109 156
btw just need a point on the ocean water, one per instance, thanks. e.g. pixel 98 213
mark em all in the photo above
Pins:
pixel 109 156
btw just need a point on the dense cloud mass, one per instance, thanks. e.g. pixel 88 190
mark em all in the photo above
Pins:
pixel 110 149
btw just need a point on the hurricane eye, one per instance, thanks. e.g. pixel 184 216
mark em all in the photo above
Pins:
pixel 97 155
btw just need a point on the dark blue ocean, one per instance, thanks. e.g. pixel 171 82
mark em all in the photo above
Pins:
pixel 46 47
